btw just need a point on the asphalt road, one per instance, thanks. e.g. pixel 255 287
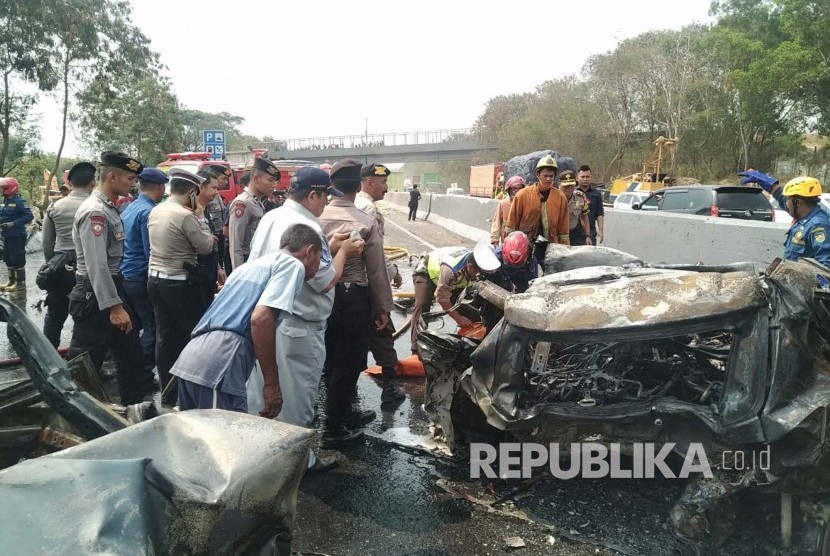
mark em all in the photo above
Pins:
pixel 393 495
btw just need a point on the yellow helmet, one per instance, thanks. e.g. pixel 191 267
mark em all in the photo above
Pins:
pixel 547 162
pixel 803 186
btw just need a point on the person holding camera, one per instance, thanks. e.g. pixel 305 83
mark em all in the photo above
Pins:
pixel 178 233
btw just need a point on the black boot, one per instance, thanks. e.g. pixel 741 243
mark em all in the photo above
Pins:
pixel 338 436
pixel 391 391
pixel 358 418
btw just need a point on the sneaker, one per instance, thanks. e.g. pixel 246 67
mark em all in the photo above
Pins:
pixel 392 393
pixel 339 436
pixel 323 464
pixel 358 418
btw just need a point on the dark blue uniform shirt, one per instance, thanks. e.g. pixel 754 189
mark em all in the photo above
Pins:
pixel 596 209
pixel 809 237
pixel 136 257
pixel 15 210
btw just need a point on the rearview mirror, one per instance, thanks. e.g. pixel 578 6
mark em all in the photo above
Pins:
pixel 636 206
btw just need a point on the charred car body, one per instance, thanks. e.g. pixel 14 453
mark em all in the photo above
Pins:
pixel 730 357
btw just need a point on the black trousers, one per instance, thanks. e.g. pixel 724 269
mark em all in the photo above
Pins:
pixel 577 236
pixel 413 211
pixel 178 306
pixel 57 307
pixel 347 348
pixel 95 334
pixel 14 252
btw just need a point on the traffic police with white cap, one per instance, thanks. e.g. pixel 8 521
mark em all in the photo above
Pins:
pixel 178 233
pixel 444 273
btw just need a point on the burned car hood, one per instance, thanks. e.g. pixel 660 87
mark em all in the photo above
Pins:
pixel 723 355
pixel 608 298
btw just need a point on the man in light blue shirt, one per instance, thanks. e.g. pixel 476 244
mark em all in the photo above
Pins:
pixel 240 326
pixel 137 256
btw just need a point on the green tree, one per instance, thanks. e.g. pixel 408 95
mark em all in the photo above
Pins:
pixel 25 44
pixel 194 122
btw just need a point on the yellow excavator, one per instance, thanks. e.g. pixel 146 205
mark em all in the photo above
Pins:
pixel 654 175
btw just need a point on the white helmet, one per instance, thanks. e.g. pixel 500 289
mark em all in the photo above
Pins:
pixel 485 258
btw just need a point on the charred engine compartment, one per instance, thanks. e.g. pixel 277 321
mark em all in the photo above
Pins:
pixel 689 368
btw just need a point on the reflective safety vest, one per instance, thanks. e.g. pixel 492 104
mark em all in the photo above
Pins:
pixel 455 258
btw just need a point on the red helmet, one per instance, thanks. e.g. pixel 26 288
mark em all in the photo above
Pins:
pixel 515 249
pixel 10 186
pixel 516 181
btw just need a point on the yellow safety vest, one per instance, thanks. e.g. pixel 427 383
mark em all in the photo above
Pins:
pixel 455 258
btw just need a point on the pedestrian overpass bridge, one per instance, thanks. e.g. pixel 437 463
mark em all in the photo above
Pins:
pixel 408 146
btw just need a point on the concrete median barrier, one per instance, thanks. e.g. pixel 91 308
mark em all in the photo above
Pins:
pixel 654 237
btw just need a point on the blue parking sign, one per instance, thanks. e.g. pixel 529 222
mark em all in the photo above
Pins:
pixel 214 142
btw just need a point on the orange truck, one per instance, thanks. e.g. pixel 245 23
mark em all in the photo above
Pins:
pixel 485 180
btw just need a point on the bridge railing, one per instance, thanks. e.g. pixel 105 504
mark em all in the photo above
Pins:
pixel 371 140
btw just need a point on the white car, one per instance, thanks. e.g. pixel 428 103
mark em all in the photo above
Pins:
pixel 625 200
pixel 455 191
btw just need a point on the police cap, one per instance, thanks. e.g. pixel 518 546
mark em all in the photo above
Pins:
pixel 220 170
pixel 180 175
pixel 82 169
pixel 374 171
pixel 567 178
pixel 347 170
pixel 265 165
pixel 309 178
pixel 122 161
pixel 153 175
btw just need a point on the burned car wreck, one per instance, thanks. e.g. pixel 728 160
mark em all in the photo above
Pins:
pixel 734 357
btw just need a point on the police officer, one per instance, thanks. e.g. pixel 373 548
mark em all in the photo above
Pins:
pixel 210 267
pixel 246 210
pixel 578 209
pixel 809 236
pixel 136 257
pixel 97 302
pixel 57 240
pixel 362 301
pixel 443 274
pixel 178 233
pixel 373 187
pixel 14 215
pixel 217 210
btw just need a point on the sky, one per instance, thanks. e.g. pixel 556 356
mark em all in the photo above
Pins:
pixel 298 69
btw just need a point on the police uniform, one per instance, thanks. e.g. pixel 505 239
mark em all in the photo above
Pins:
pixel 98 235
pixel 177 235
pixel 58 245
pixel 441 274
pixel 381 342
pixel 362 294
pixel 810 237
pixel 14 215
pixel 578 207
pixel 245 213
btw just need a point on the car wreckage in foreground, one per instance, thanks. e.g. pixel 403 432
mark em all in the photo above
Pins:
pixel 607 348
pixel 195 482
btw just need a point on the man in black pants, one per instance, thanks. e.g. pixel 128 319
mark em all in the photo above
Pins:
pixel 178 233
pixel 97 302
pixel 414 197
pixel 57 240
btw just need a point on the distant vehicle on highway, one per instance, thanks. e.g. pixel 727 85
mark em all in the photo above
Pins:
pixel 629 198
pixel 724 201
pixel 455 191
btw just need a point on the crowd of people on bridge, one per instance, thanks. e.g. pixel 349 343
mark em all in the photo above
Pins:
pixel 305 291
